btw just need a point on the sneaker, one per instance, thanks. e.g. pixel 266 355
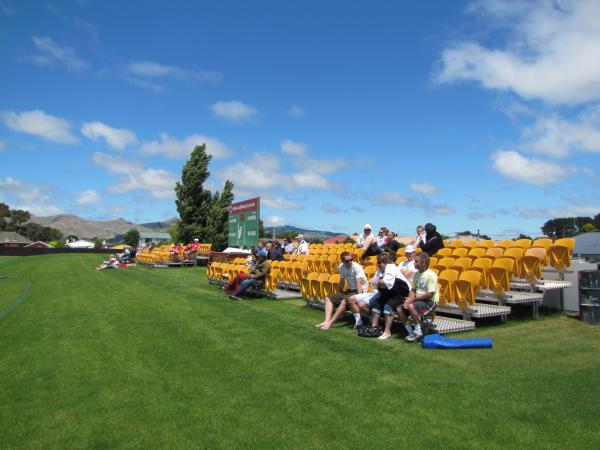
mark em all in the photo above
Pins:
pixel 413 337
pixel 357 325
pixel 384 336
pixel 235 298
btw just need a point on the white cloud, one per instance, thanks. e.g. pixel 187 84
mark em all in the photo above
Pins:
pixel 51 53
pixel 153 69
pixel 423 188
pixel 552 51
pixel 6 9
pixel 160 183
pixel 556 137
pixel 310 180
pixel 331 208
pixel 28 197
pixel 117 138
pixel 40 124
pixel 2 144
pixel 293 148
pixel 88 196
pixel 568 210
pixel 116 165
pixel 274 221
pixel 234 111
pixel 259 172
pixel 323 166
pixel 279 202
pixel 514 166
pixel 174 148
pixel 295 111
pixel 387 198
pixel 134 177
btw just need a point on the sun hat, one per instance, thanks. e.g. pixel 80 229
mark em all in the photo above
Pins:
pixel 409 249
pixel 367 227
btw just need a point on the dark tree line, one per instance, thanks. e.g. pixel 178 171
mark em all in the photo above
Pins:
pixel 203 214
pixel 17 220
pixel 570 226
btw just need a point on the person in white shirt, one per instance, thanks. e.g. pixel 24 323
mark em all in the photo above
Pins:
pixel 421 236
pixel 351 273
pixel 393 289
pixel 364 235
pixel 302 245
pixel 407 267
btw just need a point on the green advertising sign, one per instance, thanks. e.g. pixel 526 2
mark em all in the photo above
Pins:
pixel 244 218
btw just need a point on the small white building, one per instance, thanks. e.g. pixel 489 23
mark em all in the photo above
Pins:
pixel 80 244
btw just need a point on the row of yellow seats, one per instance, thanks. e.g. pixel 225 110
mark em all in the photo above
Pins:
pixel 223 272
pixel 460 289
pixel 559 246
pixel 316 286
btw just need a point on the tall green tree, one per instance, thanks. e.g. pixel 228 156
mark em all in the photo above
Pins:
pixel 132 237
pixel 217 227
pixel 193 201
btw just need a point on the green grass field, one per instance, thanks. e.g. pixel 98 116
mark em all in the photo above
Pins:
pixel 143 358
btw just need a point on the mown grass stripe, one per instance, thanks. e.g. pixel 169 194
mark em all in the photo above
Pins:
pixel 17 302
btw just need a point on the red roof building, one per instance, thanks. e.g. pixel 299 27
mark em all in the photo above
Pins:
pixel 336 239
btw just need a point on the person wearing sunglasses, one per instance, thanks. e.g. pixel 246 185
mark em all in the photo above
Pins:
pixel 352 274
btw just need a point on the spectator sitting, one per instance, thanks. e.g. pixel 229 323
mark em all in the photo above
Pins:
pixel 393 288
pixel 278 250
pixel 111 263
pixel 257 274
pixel 407 267
pixel 420 236
pixel 360 304
pixel 274 251
pixel 175 251
pixel 288 246
pixel 393 245
pixel 360 242
pixel 351 273
pixel 302 245
pixel 422 296
pixel 432 240
pixel 370 246
pixel 125 256
pixel 192 249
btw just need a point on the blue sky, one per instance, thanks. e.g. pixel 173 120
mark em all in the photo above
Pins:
pixel 469 115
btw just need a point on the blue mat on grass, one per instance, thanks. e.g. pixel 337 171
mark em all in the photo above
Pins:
pixel 439 341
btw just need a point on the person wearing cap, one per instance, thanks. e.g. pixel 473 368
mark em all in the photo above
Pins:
pixel 407 267
pixel 257 274
pixel 192 248
pixel 364 235
pixel 351 273
pixel 302 245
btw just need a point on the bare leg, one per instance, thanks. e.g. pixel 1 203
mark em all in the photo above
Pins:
pixel 338 313
pixel 414 313
pixel 353 306
pixel 375 322
pixel 328 312
pixel 389 320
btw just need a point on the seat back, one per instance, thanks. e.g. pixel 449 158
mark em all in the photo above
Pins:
pixel 487 243
pixel 271 280
pixel 446 251
pixel 330 286
pixel 523 243
pixel 460 251
pixel 493 253
pixel 446 280
pixel 506 243
pixel 542 242
pixel 471 244
pixel 500 274
pixel 466 287
pixel 477 252
pixel 483 265
pixel 462 264
pixel 306 285
pixel 455 243
pixel 514 253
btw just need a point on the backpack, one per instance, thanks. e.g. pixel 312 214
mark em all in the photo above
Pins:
pixel 366 331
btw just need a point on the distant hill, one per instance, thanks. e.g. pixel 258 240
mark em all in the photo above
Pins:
pixel 159 227
pixel 308 234
pixel 103 229
pixel 110 229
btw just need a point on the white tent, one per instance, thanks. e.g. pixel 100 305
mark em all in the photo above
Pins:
pixel 80 244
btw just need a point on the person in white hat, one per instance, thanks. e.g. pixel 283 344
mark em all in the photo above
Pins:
pixel 364 235
pixel 407 267
pixel 302 245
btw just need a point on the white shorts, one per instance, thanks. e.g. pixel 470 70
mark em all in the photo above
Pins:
pixel 364 297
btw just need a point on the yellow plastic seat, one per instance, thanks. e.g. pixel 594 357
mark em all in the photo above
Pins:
pixel 506 243
pixel 401 259
pixel 560 253
pixel 444 263
pixel 466 287
pixel 523 243
pixel 543 243
pixel 493 253
pixel 271 280
pixel 471 244
pixel 370 273
pixel 446 251
pixel 317 286
pixel 459 252
pixel 533 262
pixel 476 252
pixel 455 244
pixel 331 285
pixel 489 243
pixel 483 266
pixel 446 280
pixel 500 274
pixel 306 285
pixel 515 253
pixel 461 264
